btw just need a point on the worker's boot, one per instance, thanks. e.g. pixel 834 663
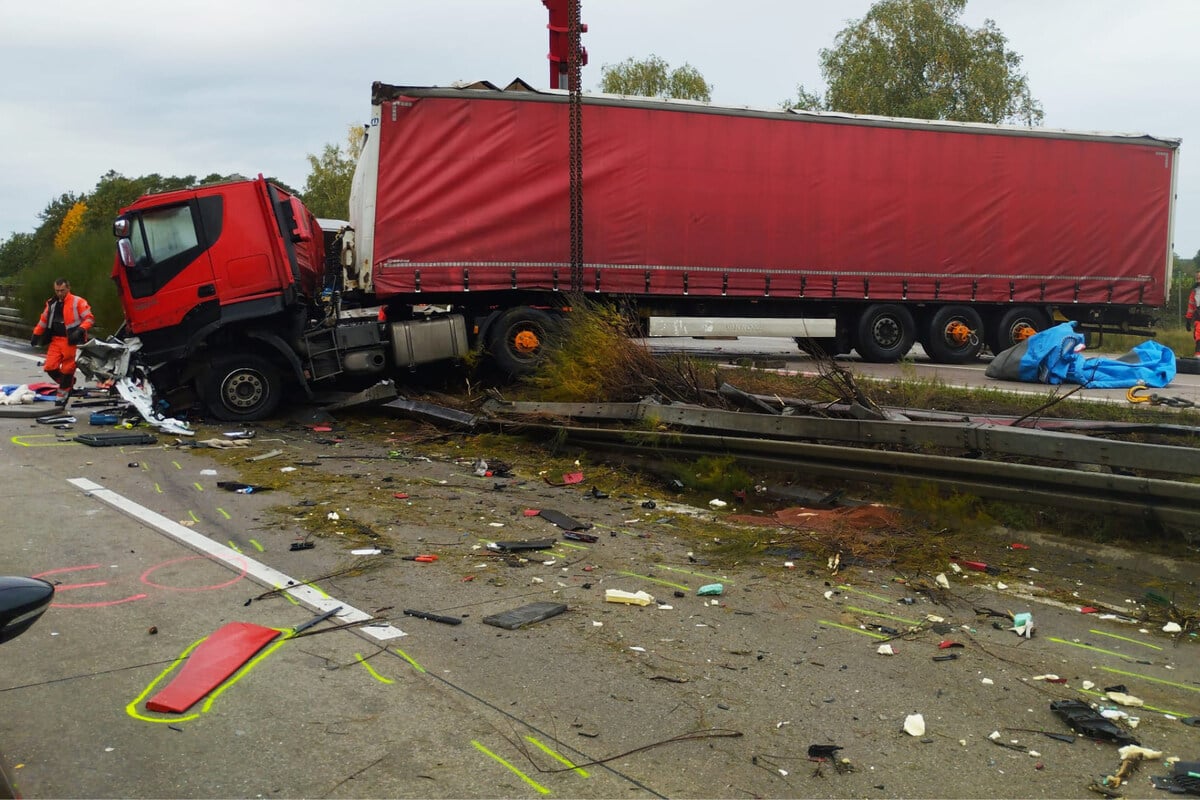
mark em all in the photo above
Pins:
pixel 65 382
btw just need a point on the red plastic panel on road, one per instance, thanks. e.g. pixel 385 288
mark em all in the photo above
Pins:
pixel 218 657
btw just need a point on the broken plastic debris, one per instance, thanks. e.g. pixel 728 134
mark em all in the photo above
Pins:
pixel 1123 699
pixel 1172 627
pixel 1023 624
pixel 715 503
pixel 914 725
pixel 942 580
pixel 885 650
pixel 1083 719
pixel 711 589
pixel 638 598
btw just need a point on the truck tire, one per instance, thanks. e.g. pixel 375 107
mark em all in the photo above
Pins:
pixel 955 335
pixel 1015 326
pixel 884 333
pixel 519 339
pixel 242 388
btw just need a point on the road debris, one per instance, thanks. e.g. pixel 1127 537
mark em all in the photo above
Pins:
pixel 525 615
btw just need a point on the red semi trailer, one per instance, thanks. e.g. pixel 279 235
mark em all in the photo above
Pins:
pixel 854 232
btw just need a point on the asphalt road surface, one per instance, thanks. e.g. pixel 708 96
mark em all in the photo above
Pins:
pixel 690 696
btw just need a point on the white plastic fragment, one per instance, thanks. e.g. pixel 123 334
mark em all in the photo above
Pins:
pixel 638 598
pixel 914 725
pixel 957 569
pixel 1136 752
pixel 715 503
pixel 994 736
pixel 987 682
pixel 1023 624
pixel 942 580
pixel 829 595
pixel 332 515
pixel 1171 627
pixel 1001 586
pixel 1088 685
pixel 1122 699
pixel 886 650
pixel 638 649
pixel 1034 754
pixel 1050 676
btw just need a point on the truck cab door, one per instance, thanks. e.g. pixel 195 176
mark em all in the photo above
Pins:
pixel 171 278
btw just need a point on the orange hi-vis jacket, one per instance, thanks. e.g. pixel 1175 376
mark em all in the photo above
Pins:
pixel 76 314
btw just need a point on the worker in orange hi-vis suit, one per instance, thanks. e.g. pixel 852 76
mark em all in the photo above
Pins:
pixel 1193 319
pixel 65 321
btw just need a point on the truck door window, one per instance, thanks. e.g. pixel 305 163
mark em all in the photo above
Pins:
pixel 165 241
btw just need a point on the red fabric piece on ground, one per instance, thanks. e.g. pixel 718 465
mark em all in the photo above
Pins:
pixel 215 659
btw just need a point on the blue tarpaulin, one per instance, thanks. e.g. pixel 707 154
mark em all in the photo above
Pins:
pixel 1055 356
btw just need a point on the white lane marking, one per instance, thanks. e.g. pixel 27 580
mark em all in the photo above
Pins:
pixel 18 354
pixel 235 560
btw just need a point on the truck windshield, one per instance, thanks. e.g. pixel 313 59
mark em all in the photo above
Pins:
pixel 165 233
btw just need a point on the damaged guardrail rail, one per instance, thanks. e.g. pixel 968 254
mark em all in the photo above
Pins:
pixel 798 444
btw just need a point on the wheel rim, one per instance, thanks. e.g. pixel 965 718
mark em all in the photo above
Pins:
pixel 958 334
pixel 1021 331
pixel 526 342
pixel 887 332
pixel 244 389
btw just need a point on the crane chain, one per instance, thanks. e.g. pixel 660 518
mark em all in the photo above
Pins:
pixel 575 102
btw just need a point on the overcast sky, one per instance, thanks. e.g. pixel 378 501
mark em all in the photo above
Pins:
pixel 250 86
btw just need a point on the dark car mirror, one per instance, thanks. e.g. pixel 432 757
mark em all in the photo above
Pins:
pixel 22 602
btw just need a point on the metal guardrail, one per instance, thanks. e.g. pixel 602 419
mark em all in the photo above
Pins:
pixel 11 323
pixel 771 441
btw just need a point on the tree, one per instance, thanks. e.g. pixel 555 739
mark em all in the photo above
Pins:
pixel 914 58
pixel 16 253
pixel 327 189
pixel 653 77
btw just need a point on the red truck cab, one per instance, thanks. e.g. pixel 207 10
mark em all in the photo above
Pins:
pixel 193 261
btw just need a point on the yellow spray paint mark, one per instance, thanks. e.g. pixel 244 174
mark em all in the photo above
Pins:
pixel 858 610
pixel 852 590
pixel 573 546
pixel 132 708
pixel 158 488
pixel 287 595
pixel 696 574
pixel 223 513
pixel 258 546
pixel 32 440
pixel 234 547
pixel 577 770
pixel 176 463
pixel 371 669
pixel 536 786
pixel 192 514
pixel 852 629
pixel 679 586
pixel 199 488
pixel 1056 640
pixel 1152 680
pixel 410 660
pixel 1125 639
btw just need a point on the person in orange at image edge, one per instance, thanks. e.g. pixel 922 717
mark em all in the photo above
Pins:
pixel 65 322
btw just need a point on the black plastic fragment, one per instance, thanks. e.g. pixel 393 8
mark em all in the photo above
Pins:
pixel 434 617
pixel 1086 721
pixel 525 615
pixel 563 521
pixel 527 544
pixel 114 438
pixel 823 750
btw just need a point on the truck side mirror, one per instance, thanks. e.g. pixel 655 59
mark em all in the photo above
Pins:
pixel 125 251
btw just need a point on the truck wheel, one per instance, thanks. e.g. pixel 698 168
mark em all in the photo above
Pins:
pixel 885 333
pixel 954 335
pixel 242 388
pixel 1015 326
pixel 519 338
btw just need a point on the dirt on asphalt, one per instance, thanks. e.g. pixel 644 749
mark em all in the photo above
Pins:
pixel 723 695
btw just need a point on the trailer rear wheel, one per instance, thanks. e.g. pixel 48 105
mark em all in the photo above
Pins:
pixel 885 333
pixel 242 388
pixel 1015 326
pixel 519 340
pixel 954 335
